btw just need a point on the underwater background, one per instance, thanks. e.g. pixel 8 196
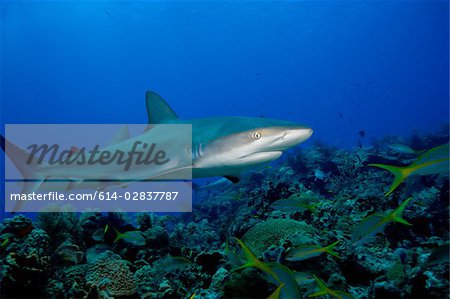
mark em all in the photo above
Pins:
pixel 370 77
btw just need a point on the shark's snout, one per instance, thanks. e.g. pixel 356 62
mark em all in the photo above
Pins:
pixel 294 136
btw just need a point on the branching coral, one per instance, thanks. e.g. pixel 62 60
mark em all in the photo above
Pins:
pixel 351 175
pixel 27 266
pixel 59 226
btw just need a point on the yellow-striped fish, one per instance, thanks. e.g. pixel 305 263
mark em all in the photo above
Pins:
pixel 304 252
pixel 376 223
pixel 276 293
pixel 253 262
pixel 323 289
pixel 436 160
pixel 134 237
pixel 293 204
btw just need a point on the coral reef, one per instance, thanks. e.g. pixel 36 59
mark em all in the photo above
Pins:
pixel 26 257
pixel 313 198
pixel 112 275
pixel 272 232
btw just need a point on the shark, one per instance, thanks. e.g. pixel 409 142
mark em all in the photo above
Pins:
pixel 227 146
pixel 220 147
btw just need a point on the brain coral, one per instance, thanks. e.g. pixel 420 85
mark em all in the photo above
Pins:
pixel 271 232
pixel 112 274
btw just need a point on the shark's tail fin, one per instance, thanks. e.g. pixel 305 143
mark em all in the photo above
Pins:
pixel 29 171
pixel 20 158
pixel 158 110
pixel 400 174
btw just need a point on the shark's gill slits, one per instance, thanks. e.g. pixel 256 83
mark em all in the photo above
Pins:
pixel 189 151
pixel 197 151
pixel 200 150
pixel 194 156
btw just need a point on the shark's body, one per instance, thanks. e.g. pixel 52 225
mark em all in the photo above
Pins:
pixel 221 146
pixel 227 146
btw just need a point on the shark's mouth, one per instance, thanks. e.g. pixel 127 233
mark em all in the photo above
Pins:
pixel 261 157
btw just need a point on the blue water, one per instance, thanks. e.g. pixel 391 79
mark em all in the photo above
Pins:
pixel 354 71
pixel 337 66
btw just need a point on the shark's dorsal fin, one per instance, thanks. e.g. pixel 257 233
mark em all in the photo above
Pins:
pixel 158 110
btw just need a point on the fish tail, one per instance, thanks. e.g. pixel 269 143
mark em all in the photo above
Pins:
pixel 322 288
pixel 277 292
pixel 246 265
pixel 399 173
pixel 29 170
pixel 330 249
pixel 249 256
pixel 4 243
pixel 118 236
pixel 252 261
pixel 397 214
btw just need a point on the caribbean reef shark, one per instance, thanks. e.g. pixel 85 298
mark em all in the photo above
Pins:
pixel 221 146
pixel 227 146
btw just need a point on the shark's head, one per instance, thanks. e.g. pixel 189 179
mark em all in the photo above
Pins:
pixel 225 146
pixel 246 142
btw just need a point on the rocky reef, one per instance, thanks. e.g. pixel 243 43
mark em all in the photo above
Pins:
pixel 318 223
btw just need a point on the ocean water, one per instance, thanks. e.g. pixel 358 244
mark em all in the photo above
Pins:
pixel 338 66
pixel 363 75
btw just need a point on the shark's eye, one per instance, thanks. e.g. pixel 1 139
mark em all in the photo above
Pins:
pixel 256 135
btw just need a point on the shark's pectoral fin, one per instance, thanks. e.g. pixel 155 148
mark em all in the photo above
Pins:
pixel 233 179
pixel 158 110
